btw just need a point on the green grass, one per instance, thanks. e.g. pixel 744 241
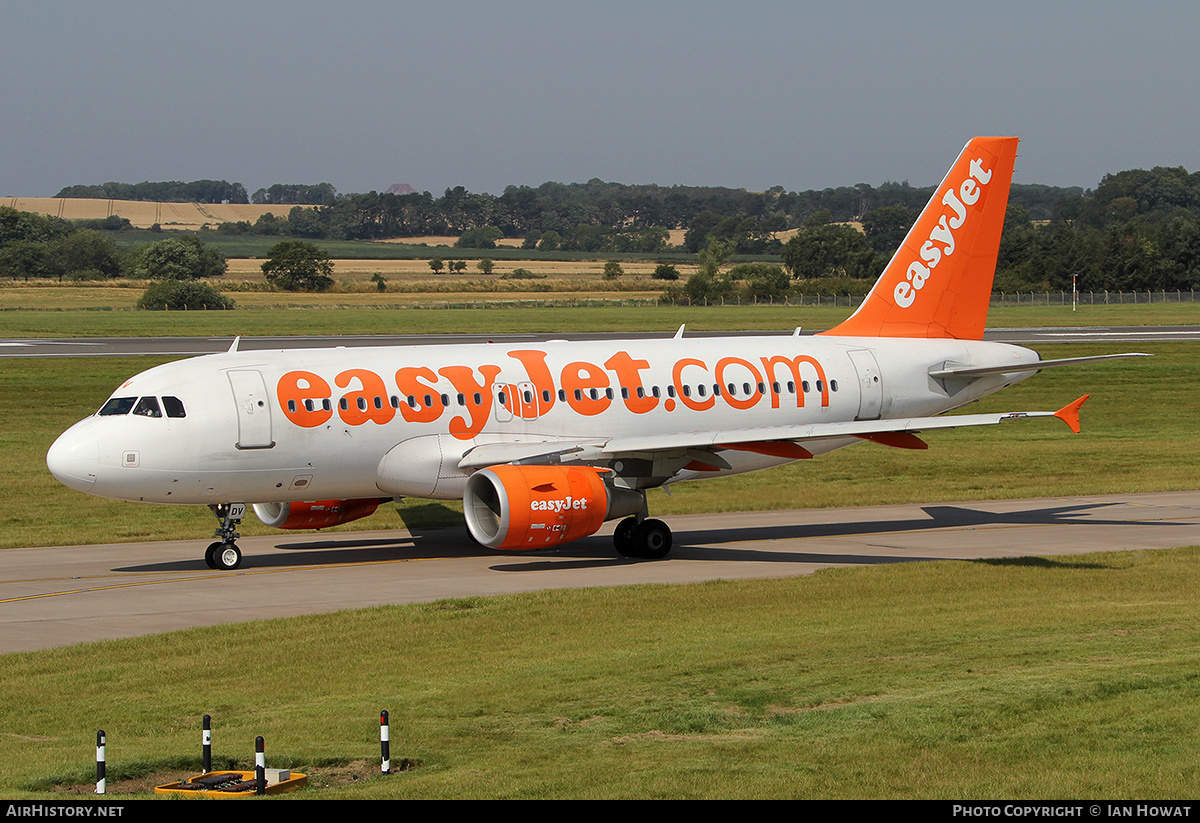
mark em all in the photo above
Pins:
pixel 108 313
pixel 1071 677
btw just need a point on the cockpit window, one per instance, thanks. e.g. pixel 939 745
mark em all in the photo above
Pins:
pixel 173 406
pixel 117 405
pixel 148 407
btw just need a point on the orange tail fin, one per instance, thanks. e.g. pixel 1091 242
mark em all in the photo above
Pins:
pixel 939 282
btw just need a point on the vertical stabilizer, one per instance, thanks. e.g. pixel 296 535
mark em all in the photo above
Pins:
pixel 939 282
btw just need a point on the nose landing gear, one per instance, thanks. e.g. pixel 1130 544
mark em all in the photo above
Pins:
pixel 224 554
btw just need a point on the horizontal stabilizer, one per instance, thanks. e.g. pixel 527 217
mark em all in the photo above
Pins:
pixel 980 371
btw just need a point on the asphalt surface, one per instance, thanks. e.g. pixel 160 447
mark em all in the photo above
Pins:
pixel 59 596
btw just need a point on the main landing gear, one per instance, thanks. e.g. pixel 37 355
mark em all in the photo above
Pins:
pixel 224 554
pixel 647 539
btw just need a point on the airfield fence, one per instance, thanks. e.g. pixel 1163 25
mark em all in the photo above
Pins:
pixel 1039 298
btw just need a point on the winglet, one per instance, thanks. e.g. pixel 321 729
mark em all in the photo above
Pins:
pixel 1069 413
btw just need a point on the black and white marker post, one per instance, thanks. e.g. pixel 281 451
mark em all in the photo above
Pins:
pixel 385 745
pixel 260 767
pixel 100 777
pixel 206 745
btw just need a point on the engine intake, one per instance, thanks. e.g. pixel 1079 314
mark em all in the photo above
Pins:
pixel 522 508
pixel 319 514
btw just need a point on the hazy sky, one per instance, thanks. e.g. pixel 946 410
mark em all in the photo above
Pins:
pixel 489 94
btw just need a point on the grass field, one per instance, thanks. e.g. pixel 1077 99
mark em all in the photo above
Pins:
pixel 1071 678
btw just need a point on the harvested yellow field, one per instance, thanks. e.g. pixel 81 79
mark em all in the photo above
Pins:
pixel 143 214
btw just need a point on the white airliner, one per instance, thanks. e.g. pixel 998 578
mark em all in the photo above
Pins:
pixel 545 442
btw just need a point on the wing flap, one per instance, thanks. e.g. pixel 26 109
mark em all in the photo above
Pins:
pixel 865 429
pixel 778 441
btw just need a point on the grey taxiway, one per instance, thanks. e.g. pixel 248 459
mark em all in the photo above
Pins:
pixel 58 596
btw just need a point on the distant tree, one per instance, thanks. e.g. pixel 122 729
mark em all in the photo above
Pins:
pixel 762 280
pixel 22 225
pixel 23 259
pixel 612 270
pixel 87 254
pixel 665 271
pixel 290 194
pixel 303 222
pixel 486 265
pixel 709 283
pixel 268 224
pixel 831 250
pixel 436 264
pixel 180 295
pixel 380 282
pixel 484 237
pixel 886 227
pixel 296 265
pixel 177 258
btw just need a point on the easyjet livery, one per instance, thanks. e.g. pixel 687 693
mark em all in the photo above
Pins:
pixel 545 442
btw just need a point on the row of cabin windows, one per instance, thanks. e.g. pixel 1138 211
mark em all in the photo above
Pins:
pixel 144 406
pixel 746 389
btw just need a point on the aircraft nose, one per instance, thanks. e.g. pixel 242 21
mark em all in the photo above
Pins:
pixel 74 459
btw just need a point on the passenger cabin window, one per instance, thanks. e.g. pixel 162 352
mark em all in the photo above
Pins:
pixel 148 407
pixel 117 405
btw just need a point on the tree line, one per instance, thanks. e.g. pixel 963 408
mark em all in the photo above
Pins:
pixel 590 217
pixel 604 217
pixel 1137 230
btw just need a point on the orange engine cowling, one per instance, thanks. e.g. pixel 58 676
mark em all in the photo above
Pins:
pixel 316 515
pixel 521 508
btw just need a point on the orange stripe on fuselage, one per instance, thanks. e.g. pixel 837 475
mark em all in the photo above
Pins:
pixel 589 389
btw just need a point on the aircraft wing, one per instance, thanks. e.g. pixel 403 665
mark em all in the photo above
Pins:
pixel 779 441
pixel 878 430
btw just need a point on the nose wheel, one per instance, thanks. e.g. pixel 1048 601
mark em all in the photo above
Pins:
pixel 224 554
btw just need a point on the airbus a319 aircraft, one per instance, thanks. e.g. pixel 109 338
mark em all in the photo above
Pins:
pixel 544 443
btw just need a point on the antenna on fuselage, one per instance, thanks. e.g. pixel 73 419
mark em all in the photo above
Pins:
pixel 679 334
pixel 234 345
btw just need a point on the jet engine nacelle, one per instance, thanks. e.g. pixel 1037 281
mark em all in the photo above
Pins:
pixel 521 508
pixel 316 515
